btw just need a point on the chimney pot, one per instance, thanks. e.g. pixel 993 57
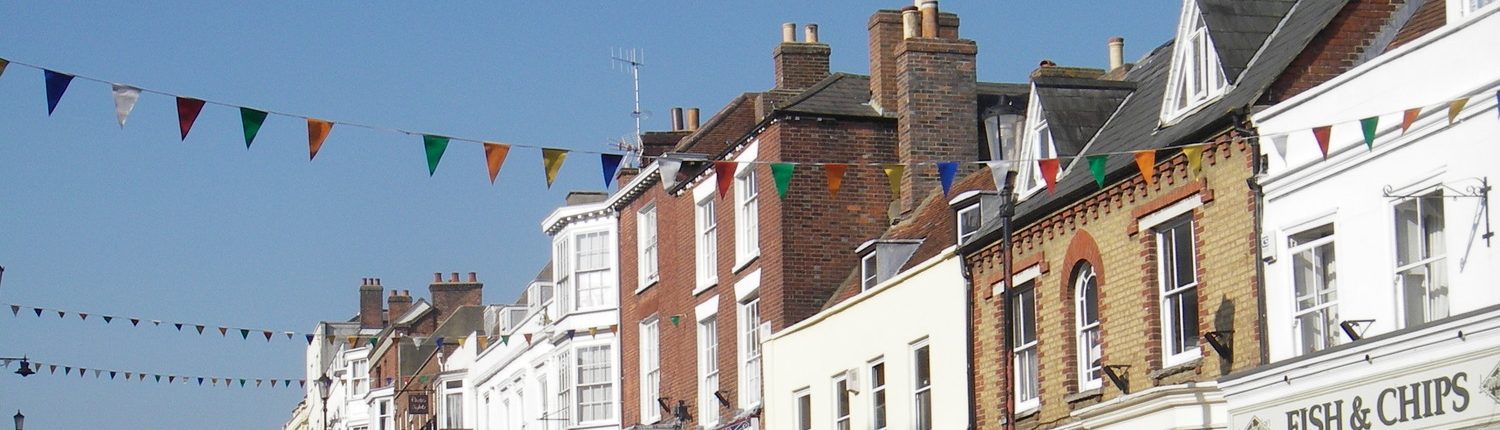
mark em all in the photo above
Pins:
pixel 789 32
pixel 676 119
pixel 437 277
pixel 393 293
pixel 692 119
pixel 377 281
pixel 810 33
pixel 1046 63
pixel 911 23
pixel 453 277
pixel 473 277
pixel 1116 52
pixel 406 293
pixel 929 18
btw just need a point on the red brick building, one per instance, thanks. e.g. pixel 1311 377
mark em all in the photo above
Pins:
pixel 705 276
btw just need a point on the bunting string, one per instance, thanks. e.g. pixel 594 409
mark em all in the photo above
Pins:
pixel 65 370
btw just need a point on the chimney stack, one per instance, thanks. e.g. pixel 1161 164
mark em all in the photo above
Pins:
pixel 676 119
pixel 799 65
pixel 936 102
pixel 397 305
pixel 692 119
pixel 371 311
pixel 1116 52
pixel 449 296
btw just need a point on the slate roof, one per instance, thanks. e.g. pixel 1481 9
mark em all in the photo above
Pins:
pixel 1240 27
pixel 1136 126
pixel 841 94
pixel 1076 108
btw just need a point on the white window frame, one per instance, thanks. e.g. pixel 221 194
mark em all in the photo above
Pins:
pixel 648 269
pixel 1439 261
pixel 840 398
pixel 802 419
pixel 1037 145
pixel 708 370
pixel 562 272
pixel 746 216
pixel 706 227
pixel 359 376
pixel 1472 6
pixel 602 354
pixel 596 296
pixel 879 401
pixel 1196 68
pixel 976 210
pixel 1324 297
pixel 869 271
pixel 565 403
pixel 1171 355
pixel 650 340
pixel 1027 395
pixel 920 393
pixel 750 362
pixel 450 419
pixel 1088 343
pixel 385 415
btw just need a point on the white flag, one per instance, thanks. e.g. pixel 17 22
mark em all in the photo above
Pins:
pixel 998 170
pixel 1279 142
pixel 125 97
pixel 668 170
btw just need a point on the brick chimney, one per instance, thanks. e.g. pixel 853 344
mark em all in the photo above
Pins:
pixel 371 313
pixel 887 32
pixel 799 65
pixel 453 293
pixel 936 104
pixel 397 304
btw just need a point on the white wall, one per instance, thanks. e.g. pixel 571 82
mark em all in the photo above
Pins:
pixel 1348 189
pixel 927 302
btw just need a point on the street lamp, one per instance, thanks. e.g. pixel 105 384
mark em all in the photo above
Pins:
pixel 323 384
pixel 20 420
pixel 25 369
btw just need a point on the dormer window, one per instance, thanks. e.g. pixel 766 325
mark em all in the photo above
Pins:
pixel 1196 76
pixel 880 260
pixel 1037 145
pixel 973 210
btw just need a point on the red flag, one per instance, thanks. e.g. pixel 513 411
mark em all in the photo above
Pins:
pixel 187 113
pixel 1049 173
pixel 1409 117
pixel 724 173
pixel 1322 134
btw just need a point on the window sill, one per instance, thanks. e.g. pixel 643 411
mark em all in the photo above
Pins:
pixel 705 287
pixel 648 285
pixel 1186 366
pixel 1085 395
pixel 1027 411
pixel 745 262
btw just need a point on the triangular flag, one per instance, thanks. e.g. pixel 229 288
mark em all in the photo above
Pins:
pixel 667 168
pixel 317 131
pixel 38 311
pixel 893 172
pixel 528 338
pixel 372 340
pixel 112 374
pixel 257 382
pixel 461 341
pixel 422 379
pixel 484 342
pixel 135 322
pixel 1409 117
pixel 128 375
pixel 223 331
pixel 179 326
pixel 289 335
pixel 242 383
pixel 96 373
pixel 303 382
pixel 199 327
pixel 676 319
pixel 494 155
pixel 1322 134
pixel 187 113
pixel 108 319
pixel 835 174
pixel 3 63
pixel 999 169
pixel 610 163
pixel 434 146
pixel 439 341
pixel 125 98
pixel 62 313
pixel 213 381
pixel 52 369
pixel 158 323
pixel 593 331
pixel 782 173
pixel 158 378
pixel 83 316
pixel 1096 167
pixel 57 84
pixel 946 171
pixel 1368 125
pixel 1194 155
pixel 505 339
pixel 245 334
pixel 309 339
pixel 1146 161
pixel 352 340
pixel 1455 107
pixel 171 379
pixel 251 120
pixel 268 335
pixel 614 328
pixel 15 310
pixel 67 370
pixel 552 161
pixel 273 383
pixel 724 174
pixel 1048 168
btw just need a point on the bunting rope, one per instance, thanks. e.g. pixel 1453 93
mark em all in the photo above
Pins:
pixel 50 369
pixel 435 145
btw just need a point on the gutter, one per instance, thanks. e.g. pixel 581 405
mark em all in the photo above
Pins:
pixel 1257 169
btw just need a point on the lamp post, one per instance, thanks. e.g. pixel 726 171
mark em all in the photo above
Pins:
pixel 20 420
pixel 25 369
pixel 323 384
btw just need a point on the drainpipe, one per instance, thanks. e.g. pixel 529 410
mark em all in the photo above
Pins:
pixel 1242 126
pixel 969 292
pixel 1007 214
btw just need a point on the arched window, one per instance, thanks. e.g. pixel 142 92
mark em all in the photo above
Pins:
pixel 1086 308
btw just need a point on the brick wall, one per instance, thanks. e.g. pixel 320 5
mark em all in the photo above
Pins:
pixel 1336 48
pixel 800 65
pixel 1101 229
pixel 938 108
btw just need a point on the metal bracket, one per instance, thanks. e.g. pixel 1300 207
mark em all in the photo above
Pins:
pixel 1222 341
pixel 1350 325
pixel 719 394
pixel 1118 376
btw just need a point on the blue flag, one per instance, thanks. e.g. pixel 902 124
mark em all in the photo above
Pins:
pixel 946 171
pixel 611 163
pixel 57 83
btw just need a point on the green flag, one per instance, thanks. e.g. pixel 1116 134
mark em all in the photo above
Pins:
pixel 1369 125
pixel 435 146
pixel 252 120
pixel 782 172
pixel 1096 166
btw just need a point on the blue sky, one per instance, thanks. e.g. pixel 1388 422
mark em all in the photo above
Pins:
pixel 134 222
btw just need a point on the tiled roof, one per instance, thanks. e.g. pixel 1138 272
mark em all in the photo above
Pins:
pixel 841 94
pixel 1076 108
pixel 1240 27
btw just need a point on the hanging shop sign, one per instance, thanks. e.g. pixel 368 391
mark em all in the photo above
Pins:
pixel 416 404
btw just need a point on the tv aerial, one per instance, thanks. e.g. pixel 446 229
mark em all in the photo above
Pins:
pixel 631 59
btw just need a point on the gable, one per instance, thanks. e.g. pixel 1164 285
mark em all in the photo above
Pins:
pixel 1239 28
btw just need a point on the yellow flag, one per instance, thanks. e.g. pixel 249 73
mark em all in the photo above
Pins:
pixel 484 342
pixel 461 341
pixel 1455 107
pixel 552 160
pixel 353 340
pixel 893 172
pixel 593 331
pixel 1194 158
pixel 317 131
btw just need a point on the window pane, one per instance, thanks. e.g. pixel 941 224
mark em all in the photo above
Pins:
pixel 877 384
pixel 923 369
pixel 804 412
pixel 1408 242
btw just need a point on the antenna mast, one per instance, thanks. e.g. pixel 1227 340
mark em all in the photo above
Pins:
pixel 634 59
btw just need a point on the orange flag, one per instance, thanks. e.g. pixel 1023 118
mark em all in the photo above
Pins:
pixel 1146 161
pixel 724 174
pixel 1049 173
pixel 494 154
pixel 1455 107
pixel 893 172
pixel 317 130
pixel 1194 155
pixel 835 174
pixel 1322 134
pixel 1409 118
